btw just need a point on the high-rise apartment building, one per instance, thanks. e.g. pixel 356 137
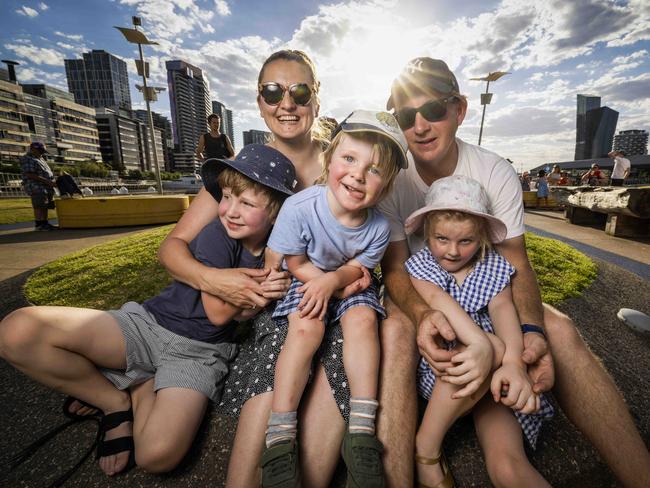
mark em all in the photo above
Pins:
pixel 99 80
pixel 119 139
pixel 189 101
pixel 14 129
pixel 160 122
pixel 634 142
pixel 256 137
pixel 226 120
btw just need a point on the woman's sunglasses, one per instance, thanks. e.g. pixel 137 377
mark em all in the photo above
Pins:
pixel 433 111
pixel 273 93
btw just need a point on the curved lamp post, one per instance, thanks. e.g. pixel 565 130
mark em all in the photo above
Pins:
pixel 134 36
pixel 486 97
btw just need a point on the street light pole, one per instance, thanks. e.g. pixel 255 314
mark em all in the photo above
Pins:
pixel 486 97
pixel 134 36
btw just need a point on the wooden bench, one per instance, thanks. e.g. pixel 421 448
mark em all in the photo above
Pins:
pixel 120 211
pixel 624 211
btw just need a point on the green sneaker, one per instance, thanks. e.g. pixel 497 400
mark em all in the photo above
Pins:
pixel 280 465
pixel 362 456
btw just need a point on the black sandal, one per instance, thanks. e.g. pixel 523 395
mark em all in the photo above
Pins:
pixel 115 446
pixel 75 416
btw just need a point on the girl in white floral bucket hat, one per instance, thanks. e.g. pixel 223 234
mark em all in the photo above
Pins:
pixel 458 258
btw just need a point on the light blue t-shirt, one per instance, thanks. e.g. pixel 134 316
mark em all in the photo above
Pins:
pixel 306 225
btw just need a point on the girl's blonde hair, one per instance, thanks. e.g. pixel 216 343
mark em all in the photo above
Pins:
pixel 384 151
pixel 480 226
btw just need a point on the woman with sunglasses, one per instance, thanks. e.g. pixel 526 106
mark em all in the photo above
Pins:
pixel 288 102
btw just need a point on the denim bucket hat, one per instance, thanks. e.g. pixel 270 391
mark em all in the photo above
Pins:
pixel 260 163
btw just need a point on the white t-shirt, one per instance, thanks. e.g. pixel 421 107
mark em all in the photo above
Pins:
pixel 497 176
pixel 621 165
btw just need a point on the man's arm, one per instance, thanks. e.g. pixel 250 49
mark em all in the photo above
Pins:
pixel 428 323
pixel 528 302
pixel 40 179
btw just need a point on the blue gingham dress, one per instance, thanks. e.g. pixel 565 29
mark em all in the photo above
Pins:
pixel 484 282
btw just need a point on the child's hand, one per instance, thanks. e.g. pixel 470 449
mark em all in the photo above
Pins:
pixel 356 286
pixel 511 386
pixel 317 293
pixel 276 284
pixel 474 364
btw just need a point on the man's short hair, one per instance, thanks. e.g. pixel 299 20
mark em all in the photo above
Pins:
pixel 212 116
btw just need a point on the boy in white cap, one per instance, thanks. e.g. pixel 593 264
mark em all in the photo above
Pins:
pixel 330 235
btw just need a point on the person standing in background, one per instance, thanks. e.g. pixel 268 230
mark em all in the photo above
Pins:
pixel 213 144
pixel 621 169
pixel 38 183
pixel 554 176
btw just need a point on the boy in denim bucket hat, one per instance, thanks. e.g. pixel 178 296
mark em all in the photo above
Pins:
pixel 175 348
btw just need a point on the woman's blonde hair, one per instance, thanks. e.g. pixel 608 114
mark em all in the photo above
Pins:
pixel 384 151
pixel 480 226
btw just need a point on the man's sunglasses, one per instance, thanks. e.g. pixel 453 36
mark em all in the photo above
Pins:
pixel 433 111
pixel 273 93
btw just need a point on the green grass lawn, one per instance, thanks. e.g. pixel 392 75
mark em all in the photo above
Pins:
pixel 14 210
pixel 107 275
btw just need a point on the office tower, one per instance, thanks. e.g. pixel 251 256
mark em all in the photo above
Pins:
pixel 189 101
pixel 160 122
pixel 99 80
pixel 634 142
pixel 14 130
pixel 601 126
pixel 226 120
pixel 146 148
pixel 40 120
pixel 583 142
pixel 256 137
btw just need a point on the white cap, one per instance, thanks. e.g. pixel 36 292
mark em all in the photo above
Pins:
pixel 382 123
pixel 462 194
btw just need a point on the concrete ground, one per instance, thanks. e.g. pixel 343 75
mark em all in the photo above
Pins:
pixel 563 456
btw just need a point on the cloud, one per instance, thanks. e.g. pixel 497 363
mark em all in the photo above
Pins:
pixel 43 6
pixel 35 54
pixel 168 19
pixel 72 37
pixel 27 11
pixel 222 7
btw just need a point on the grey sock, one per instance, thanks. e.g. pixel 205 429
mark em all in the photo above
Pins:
pixel 282 426
pixel 362 415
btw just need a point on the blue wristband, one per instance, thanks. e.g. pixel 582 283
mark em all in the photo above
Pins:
pixel 532 328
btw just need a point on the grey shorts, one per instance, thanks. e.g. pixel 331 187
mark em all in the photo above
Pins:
pixel 41 200
pixel 172 360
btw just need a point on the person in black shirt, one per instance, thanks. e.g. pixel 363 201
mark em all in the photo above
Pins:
pixel 213 144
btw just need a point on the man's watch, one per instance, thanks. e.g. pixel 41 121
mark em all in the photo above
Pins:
pixel 532 328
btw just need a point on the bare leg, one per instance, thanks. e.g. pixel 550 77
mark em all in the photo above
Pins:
pixel 294 362
pixel 40 213
pixel 61 347
pixel 361 351
pixel 321 432
pixel 397 395
pixel 246 452
pixel 585 390
pixel 165 424
pixel 501 439
pixel 441 413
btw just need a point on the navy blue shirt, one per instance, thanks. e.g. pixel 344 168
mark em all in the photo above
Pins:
pixel 179 308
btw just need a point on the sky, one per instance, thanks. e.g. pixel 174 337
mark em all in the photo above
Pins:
pixel 553 49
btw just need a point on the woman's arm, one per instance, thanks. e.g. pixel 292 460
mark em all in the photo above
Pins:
pixel 238 286
pixel 200 147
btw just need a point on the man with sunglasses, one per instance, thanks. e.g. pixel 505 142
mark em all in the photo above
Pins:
pixel 429 108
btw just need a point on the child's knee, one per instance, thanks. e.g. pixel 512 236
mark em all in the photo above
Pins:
pixel 18 332
pixel 360 321
pixel 506 470
pixel 159 456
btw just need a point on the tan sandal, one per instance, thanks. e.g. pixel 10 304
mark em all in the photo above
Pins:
pixel 448 482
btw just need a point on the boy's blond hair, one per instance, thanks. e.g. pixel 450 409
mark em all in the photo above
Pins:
pixel 480 226
pixel 238 183
pixel 384 151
